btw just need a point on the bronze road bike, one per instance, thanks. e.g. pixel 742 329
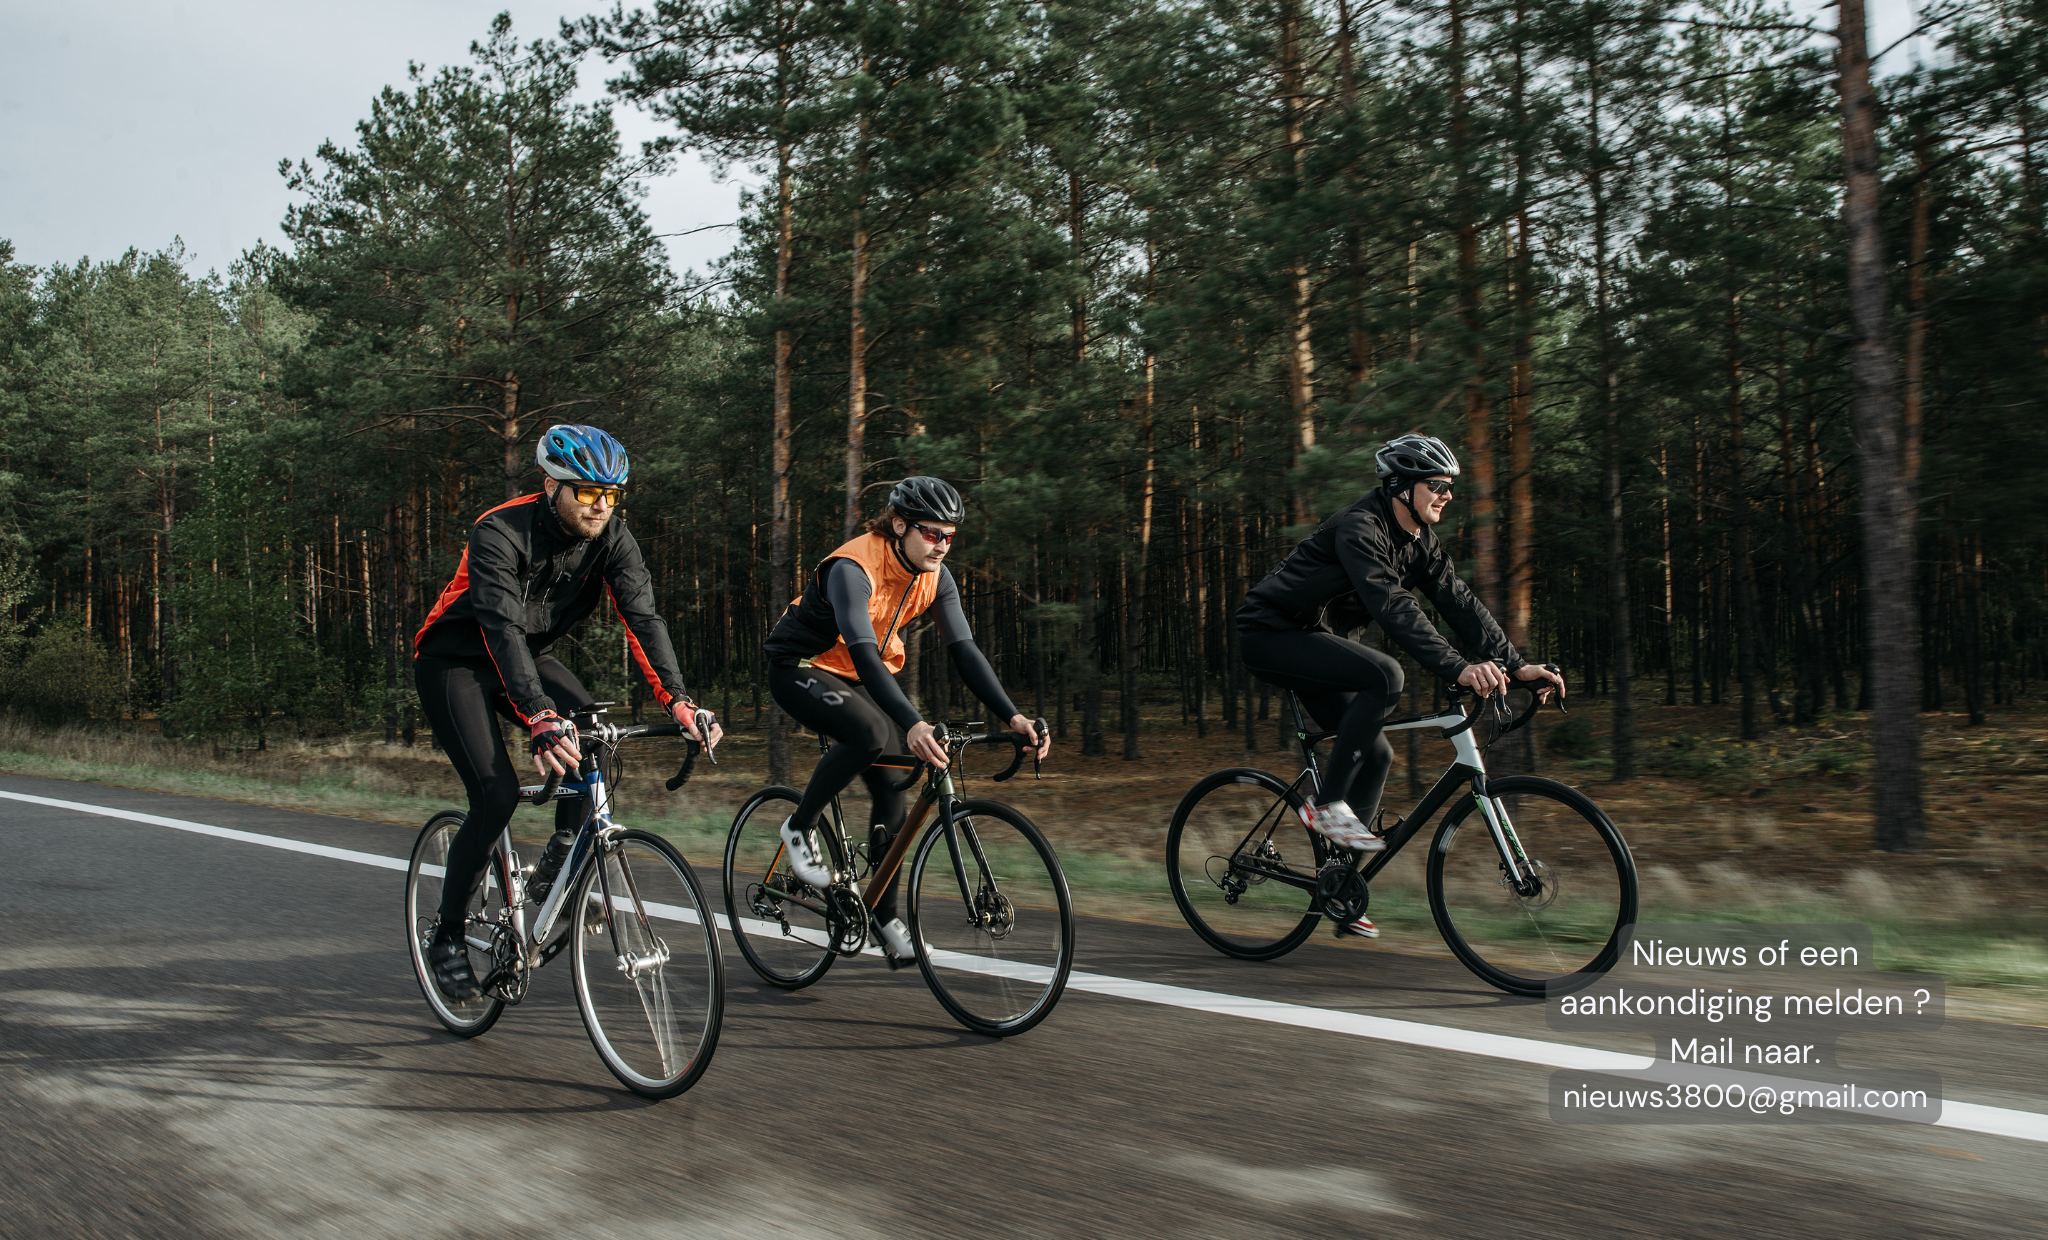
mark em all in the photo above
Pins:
pixel 986 901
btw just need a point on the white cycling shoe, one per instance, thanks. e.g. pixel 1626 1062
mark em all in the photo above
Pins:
pixel 1360 929
pixel 897 943
pixel 804 861
pixel 1337 823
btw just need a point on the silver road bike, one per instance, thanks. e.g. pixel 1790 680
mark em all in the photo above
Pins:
pixel 625 905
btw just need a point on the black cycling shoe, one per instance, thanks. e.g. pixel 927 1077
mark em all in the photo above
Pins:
pixel 449 960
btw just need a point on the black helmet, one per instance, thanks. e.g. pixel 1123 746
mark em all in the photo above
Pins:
pixel 928 499
pixel 1415 456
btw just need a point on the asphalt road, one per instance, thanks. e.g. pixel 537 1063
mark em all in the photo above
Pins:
pixel 206 1037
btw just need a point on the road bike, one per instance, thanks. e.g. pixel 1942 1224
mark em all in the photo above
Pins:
pixel 648 977
pixel 987 905
pixel 1529 881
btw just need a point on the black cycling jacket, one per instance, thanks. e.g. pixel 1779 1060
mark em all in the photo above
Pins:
pixel 1360 566
pixel 525 580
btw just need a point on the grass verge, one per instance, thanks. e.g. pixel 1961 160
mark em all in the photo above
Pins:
pixel 1993 952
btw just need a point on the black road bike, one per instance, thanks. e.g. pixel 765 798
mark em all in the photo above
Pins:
pixel 1529 881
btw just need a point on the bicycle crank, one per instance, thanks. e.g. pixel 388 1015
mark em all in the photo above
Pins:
pixel 1343 894
pixel 509 974
pixel 846 920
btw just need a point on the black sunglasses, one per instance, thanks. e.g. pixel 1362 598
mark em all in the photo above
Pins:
pixel 1439 486
pixel 936 538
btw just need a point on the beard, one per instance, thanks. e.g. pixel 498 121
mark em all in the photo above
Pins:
pixel 576 518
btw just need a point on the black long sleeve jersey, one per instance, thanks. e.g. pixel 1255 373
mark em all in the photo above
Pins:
pixel 1361 567
pixel 525 581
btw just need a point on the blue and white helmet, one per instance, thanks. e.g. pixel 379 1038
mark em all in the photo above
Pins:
pixel 581 454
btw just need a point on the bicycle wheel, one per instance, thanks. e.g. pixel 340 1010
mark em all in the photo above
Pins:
pixel 422 914
pixel 997 956
pixel 1233 833
pixel 1566 932
pixel 649 980
pixel 775 918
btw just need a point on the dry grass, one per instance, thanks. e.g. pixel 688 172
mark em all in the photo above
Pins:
pixel 1780 831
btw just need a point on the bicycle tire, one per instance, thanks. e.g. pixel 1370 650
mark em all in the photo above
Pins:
pixel 1001 971
pixel 423 874
pixel 785 943
pixel 656 1028
pixel 1570 932
pixel 1225 809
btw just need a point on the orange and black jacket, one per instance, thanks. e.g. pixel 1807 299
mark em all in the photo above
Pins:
pixel 525 581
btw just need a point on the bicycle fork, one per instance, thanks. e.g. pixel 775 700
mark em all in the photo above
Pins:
pixel 1517 869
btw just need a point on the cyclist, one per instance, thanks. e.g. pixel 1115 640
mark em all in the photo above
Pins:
pixel 1365 565
pixel 830 672
pixel 534 568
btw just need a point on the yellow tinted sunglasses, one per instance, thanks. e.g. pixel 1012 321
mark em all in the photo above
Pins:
pixel 590 494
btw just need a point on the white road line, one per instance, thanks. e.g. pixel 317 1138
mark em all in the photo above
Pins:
pixel 1967 1116
pixel 224 833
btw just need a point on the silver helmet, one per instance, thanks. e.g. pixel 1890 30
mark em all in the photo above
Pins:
pixel 1407 457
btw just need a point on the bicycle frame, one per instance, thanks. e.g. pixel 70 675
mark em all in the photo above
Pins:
pixel 596 827
pixel 1468 770
pixel 940 793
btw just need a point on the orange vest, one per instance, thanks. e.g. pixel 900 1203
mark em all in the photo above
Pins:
pixel 899 597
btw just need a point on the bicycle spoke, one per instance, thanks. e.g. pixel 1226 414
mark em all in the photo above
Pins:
pixel 423 887
pixel 648 978
pixel 1235 838
pixel 993 917
pixel 1531 927
pixel 777 920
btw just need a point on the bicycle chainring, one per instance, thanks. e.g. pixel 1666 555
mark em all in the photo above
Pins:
pixel 1343 894
pixel 509 975
pixel 846 920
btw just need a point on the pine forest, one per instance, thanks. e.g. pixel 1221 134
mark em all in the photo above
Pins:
pixel 1726 329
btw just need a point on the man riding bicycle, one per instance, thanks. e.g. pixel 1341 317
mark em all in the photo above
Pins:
pixel 830 672
pixel 1361 566
pixel 534 568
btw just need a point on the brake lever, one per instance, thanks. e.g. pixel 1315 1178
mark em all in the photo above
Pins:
pixel 1039 726
pixel 702 720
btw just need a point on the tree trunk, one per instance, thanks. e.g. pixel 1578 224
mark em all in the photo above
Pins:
pixel 1134 593
pixel 1478 477
pixel 1301 357
pixel 779 562
pixel 1522 293
pixel 856 378
pixel 1888 503
pixel 1738 509
pixel 1611 492
pixel 1092 744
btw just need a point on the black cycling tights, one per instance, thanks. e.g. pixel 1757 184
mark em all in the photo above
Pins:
pixel 843 710
pixel 459 699
pixel 1345 687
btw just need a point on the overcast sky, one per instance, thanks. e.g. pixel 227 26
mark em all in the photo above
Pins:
pixel 127 123
pixel 130 122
